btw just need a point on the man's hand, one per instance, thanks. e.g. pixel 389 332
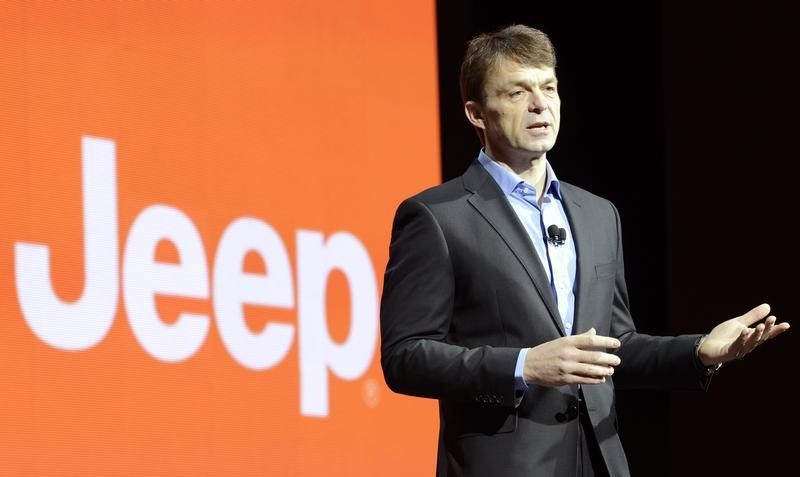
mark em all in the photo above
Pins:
pixel 734 339
pixel 571 360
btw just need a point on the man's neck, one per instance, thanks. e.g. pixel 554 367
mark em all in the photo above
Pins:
pixel 533 171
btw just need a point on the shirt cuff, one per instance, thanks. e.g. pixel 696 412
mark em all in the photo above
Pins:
pixel 519 380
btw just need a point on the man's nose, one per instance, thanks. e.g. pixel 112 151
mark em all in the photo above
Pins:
pixel 538 101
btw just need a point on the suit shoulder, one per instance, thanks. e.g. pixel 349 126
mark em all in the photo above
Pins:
pixel 449 191
pixel 583 196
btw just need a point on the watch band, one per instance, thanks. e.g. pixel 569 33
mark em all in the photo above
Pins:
pixel 708 370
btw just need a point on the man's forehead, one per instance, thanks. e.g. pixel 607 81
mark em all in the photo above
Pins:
pixel 507 70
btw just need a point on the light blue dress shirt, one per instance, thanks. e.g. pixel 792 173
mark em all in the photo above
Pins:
pixel 559 261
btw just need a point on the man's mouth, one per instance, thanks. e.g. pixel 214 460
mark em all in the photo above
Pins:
pixel 538 125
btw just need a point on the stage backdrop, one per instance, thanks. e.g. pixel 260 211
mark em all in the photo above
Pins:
pixel 195 207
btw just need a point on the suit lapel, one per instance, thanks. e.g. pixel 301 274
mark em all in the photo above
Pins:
pixel 490 202
pixel 581 234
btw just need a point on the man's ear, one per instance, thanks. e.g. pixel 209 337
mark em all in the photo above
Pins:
pixel 474 114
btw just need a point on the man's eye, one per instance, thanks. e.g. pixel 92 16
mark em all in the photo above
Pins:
pixel 515 94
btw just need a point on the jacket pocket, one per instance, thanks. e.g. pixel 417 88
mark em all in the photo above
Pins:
pixel 605 270
pixel 476 421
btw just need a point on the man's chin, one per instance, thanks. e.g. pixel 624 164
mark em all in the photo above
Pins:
pixel 537 151
pixel 523 156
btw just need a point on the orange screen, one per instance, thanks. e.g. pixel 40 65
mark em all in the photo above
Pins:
pixel 196 202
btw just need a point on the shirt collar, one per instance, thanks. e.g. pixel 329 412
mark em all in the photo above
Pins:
pixel 508 180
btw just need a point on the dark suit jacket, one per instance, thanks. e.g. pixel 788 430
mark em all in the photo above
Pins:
pixel 464 291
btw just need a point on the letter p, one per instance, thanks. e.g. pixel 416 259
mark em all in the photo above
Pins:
pixel 318 353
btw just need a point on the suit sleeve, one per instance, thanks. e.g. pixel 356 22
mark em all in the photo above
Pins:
pixel 665 362
pixel 417 308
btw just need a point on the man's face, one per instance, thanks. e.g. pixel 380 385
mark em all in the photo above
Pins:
pixel 520 114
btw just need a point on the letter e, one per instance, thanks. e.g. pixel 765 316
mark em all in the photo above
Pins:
pixel 143 277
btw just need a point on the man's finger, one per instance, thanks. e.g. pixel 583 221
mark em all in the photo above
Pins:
pixel 591 371
pixel 768 325
pixel 745 335
pixel 598 358
pixel 758 334
pixel 776 330
pixel 755 315
pixel 751 339
pixel 575 379
pixel 592 340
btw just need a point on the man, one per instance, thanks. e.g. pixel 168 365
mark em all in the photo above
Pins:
pixel 505 298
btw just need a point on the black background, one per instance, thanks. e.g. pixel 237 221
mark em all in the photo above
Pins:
pixel 685 116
